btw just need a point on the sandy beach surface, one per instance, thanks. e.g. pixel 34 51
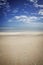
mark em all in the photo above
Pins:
pixel 21 48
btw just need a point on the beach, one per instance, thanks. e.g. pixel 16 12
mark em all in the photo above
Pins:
pixel 21 48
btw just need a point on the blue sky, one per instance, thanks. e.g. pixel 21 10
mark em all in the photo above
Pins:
pixel 21 13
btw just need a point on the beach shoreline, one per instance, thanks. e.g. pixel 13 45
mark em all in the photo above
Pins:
pixel 21 33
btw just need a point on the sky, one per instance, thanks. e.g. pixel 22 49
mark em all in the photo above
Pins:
pixel 21 14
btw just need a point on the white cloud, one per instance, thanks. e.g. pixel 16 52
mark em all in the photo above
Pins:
pixel 21 16
pixel 41 12
pixel 40 6
pixel 26 19
pixel 33 17
pixel 35 2
pixel 37 5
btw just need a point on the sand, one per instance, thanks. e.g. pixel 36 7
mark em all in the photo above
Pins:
pixel 21 49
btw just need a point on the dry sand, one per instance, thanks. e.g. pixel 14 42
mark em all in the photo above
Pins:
pixel 23 49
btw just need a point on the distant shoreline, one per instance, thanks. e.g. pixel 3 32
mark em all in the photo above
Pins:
pixel 21 33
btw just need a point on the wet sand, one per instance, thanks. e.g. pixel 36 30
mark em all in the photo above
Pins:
pixel 21 49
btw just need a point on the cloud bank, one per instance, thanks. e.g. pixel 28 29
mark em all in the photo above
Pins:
pixel 26 19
